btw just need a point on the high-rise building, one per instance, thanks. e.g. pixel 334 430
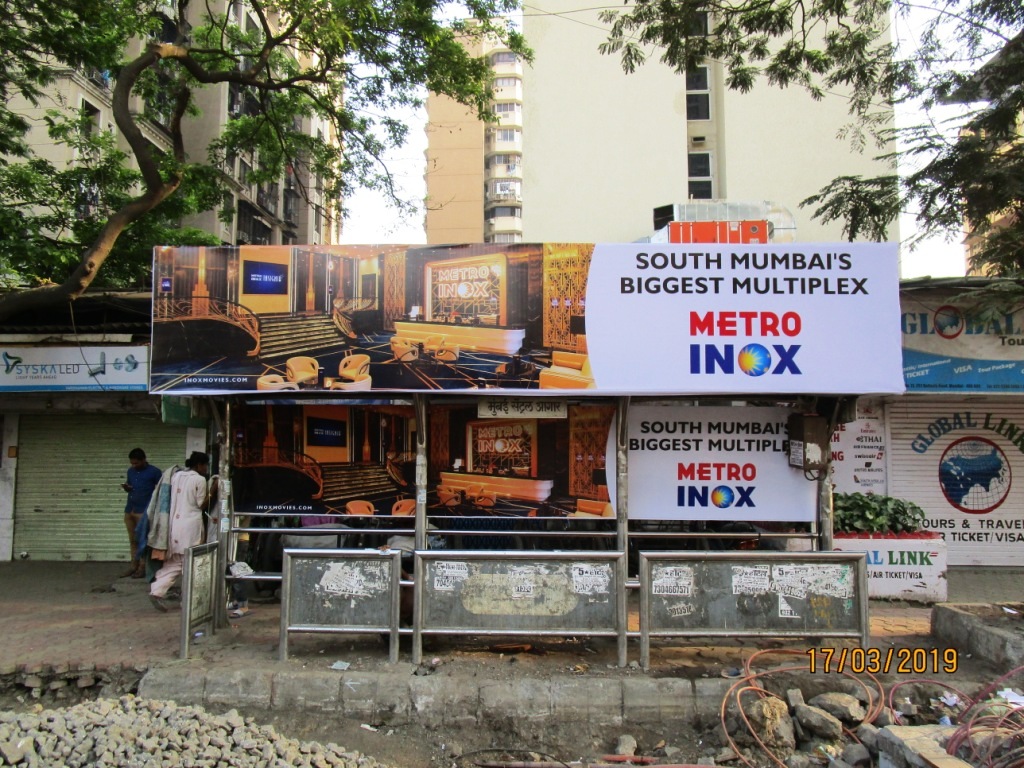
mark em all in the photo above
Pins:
pixel 589 152
pixel 474 173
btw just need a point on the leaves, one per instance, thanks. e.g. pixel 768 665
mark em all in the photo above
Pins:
pixel 861 513
pixel 312 86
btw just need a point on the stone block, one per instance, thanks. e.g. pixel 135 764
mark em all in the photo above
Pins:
pixel 246 687
pixel 320 691
pixel 175 682
pixel 594 700
pixel 359 694
pixel 646 700
pixel 436 701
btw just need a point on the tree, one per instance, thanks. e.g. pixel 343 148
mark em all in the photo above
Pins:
pixel 970 173
pixel 348 63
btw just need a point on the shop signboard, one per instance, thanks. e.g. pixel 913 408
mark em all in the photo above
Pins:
pixel 714 464
pixel 953 345
pixel 529 319
pixel 957 461
pixel 909 566
pixel 73 368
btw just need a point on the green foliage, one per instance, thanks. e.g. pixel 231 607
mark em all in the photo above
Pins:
pixel 316 90
pixel 861 513
pixel 965 173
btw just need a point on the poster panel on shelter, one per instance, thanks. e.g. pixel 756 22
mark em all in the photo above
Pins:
pixel 726 463
pixel 346 472
pixel 528 319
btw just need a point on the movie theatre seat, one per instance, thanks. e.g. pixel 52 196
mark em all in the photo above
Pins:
pixel 404 350
pixel 302 369
pixel 274 381
pixel 591 508
pixel 569 370
pixel 353 366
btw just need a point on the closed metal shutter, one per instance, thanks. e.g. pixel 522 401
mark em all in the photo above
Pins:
pixel 68 503
pixel 977 445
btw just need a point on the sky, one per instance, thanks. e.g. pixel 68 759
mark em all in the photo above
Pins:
pixel 372 220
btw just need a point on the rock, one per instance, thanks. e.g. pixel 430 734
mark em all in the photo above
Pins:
pixel 705 761
pixel 819 722
pixel 794 696
pixel 800 760
pixel 13 752
pixel 840 705
pixel 885 717
pixel 626 746
pixel 867 734
pixel 770 720
pixel 856 754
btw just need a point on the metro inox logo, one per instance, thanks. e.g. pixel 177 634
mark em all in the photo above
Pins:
pixel 721 496
pixel 753 359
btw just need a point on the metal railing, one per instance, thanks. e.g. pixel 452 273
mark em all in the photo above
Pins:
pixel 169 309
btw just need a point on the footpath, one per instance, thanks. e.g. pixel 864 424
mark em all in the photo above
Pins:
pixel 78 626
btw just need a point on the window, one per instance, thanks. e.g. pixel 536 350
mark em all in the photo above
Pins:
pixel 698 96
pixel 508 135
pixel 699 185
pixel 499 160
pixel 506 237
pixel 504 57
pixel 506 82
pixel 505 108
pixel 504 210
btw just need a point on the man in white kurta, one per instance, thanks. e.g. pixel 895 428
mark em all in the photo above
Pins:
pixel 185 524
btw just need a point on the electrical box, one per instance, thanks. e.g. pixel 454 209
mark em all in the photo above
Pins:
pixel 809 445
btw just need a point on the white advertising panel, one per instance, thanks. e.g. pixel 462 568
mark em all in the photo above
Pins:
pixel 66 369
pixel 859 452
pixel 786 318
pixel 714 464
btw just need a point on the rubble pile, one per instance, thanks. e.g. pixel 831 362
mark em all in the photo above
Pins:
pixel 139 733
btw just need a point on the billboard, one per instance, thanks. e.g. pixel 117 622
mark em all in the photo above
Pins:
pixel 529 319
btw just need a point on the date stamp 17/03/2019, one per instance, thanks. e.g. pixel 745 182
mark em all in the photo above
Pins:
pixel 898 661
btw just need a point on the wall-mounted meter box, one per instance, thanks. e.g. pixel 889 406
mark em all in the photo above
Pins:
pixel 808 441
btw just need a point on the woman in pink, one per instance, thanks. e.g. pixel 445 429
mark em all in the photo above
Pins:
pixel 184 523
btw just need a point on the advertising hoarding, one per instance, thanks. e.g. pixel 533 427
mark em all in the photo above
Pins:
pixel 530 318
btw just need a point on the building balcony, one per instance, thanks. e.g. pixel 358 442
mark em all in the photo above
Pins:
pixel 505 171
pixel 504 196
pixel 504 224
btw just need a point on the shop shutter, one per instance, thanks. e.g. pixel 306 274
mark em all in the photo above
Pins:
pixel 994 537
pixel 68 501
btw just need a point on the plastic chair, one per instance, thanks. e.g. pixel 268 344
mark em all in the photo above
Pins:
pixel 274 381
pixel 360 507
pixel 302 369
pixel 404 508
pixel 471 492
pixel 352 366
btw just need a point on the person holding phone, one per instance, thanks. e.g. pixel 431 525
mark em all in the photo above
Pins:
pixel 142 478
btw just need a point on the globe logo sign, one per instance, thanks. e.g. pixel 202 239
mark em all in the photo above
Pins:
pixel 948 321
pixel 974 475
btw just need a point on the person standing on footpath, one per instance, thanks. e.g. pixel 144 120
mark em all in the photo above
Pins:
pixel 171 534
pixel 142 478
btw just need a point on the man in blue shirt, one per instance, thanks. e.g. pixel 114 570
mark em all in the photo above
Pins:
pixel 142 479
